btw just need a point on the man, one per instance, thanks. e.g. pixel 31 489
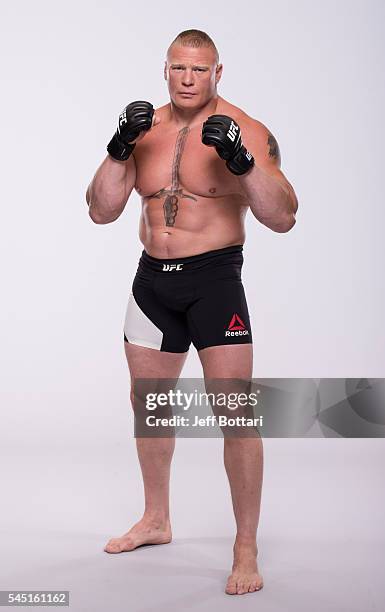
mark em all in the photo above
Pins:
pixel 199 163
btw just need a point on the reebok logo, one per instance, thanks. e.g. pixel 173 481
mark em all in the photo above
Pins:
pixel 232 133
pixel 236 327
pixel 171 267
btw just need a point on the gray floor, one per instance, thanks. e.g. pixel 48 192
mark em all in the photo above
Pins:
pixel 321 534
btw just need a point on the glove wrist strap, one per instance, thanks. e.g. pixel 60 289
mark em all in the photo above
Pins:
pixel 241 162
pixel 118 149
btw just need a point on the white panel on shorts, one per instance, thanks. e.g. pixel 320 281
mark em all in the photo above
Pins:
pixel 139 329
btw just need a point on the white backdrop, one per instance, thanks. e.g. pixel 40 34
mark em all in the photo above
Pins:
pixel 313 73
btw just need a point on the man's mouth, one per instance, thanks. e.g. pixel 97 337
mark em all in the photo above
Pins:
pixel 186 93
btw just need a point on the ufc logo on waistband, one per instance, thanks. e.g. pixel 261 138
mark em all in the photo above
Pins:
pixel 232 133
pixel 171 267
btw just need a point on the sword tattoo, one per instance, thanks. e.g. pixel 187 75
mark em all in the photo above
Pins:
pixel 172 196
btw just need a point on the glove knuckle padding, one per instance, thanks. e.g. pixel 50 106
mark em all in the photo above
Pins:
pixel 134 118
pixel 138 118
pixel 216 133
pixel 224 134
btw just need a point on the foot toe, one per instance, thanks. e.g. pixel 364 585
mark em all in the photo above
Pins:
pixel 231 587
pixel 112 546
pixel 241 589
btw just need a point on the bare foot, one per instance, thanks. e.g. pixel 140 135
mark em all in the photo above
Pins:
pixel 245 577
pixel 146 531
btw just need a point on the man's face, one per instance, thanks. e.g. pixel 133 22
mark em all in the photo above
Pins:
pixel 192 75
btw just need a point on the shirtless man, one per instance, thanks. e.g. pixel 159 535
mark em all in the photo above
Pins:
pixel 196 183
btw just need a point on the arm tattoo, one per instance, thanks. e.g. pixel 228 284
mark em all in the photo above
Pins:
pixel 273 148
pixel 170 204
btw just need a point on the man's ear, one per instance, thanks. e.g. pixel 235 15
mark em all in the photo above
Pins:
pixel 165 70
pixel 218 73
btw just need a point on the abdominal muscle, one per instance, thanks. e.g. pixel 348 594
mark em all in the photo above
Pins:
pixel 200 225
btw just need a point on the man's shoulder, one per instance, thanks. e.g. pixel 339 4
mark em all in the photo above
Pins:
pixel 162 111
pixel 256 136
pixel 240 116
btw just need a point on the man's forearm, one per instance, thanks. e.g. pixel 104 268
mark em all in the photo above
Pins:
pixel 274 204
pixel 107 193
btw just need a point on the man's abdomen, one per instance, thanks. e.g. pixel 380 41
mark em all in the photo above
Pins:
pixel 186 227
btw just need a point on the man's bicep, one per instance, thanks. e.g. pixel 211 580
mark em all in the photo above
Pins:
pixel 261 142
pixel 272 148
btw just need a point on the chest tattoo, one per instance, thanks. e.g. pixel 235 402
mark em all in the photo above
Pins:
pixel 173 195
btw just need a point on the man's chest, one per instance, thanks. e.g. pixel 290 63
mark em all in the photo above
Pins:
pixel 174 160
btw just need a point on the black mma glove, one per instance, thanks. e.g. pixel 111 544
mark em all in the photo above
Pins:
pixel 223 133
pixel 136 117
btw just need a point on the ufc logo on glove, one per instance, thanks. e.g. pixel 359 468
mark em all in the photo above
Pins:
pixel 232 133
pixel 122 117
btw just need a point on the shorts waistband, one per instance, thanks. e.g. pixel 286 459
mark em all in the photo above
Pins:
pixel 193 262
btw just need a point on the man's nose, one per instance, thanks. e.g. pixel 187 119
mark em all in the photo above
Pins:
pixel 188 77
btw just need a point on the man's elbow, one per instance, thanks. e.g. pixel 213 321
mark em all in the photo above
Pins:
pixel 88 196
pixel 285 225
pixel 96 216
pixel 101 218
pixel 289 221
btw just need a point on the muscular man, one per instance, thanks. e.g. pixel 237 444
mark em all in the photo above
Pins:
pixel 199 163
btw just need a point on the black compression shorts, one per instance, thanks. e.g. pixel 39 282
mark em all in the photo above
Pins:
pixel 198 299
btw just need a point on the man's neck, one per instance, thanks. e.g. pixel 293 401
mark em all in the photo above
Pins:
pixel 191 118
